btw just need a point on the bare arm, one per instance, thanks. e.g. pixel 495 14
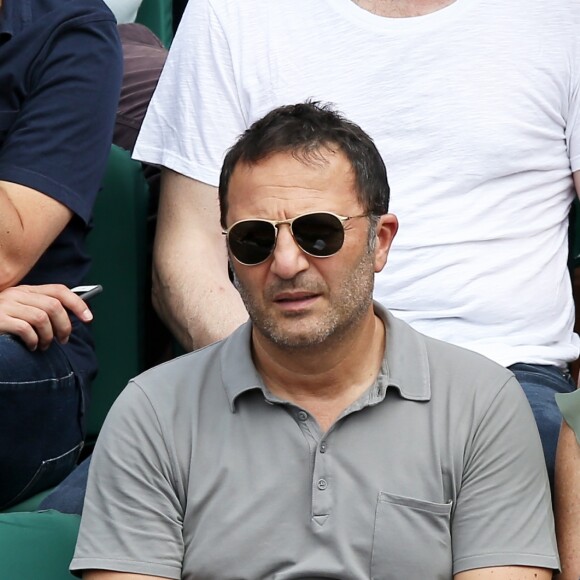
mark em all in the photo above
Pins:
pixel 191 289
pixel 567 503
pixel 497 573
pixel 108 575
pixel 29 223
pixel 505 573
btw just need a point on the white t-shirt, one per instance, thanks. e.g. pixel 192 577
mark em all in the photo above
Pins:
pixel 125 11
pixel 475 111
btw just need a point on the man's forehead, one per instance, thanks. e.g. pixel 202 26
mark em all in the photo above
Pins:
pixel 299 167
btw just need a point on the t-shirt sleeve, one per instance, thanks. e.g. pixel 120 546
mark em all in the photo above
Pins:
pixel 573 112
pixel 61 136
pixel 132 517
pixel 503 512
pixel 195 114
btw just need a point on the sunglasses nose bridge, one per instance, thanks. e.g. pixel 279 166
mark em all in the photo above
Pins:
pixel 288 258
pixel 278 229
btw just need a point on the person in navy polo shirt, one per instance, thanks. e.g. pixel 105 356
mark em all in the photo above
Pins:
pixel 60 76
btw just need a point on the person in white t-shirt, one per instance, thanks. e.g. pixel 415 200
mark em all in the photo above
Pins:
pixel 474 107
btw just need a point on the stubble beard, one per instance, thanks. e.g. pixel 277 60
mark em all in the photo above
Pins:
pixel 348 306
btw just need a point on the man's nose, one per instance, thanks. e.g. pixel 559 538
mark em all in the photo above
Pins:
pixel 288 259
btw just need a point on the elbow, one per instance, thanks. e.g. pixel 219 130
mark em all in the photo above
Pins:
pixel 11 272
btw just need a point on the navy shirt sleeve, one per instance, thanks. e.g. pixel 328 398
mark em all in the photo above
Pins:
pixel 60 79
pixel 63 104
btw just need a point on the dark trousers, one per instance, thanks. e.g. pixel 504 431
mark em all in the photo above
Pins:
pixel 41 419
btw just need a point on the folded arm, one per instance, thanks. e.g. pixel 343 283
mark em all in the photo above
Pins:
pixel 191 289
pixel 567 501
pixel 55 149
pixel 29 223
pixel 108 575
pixel 505 573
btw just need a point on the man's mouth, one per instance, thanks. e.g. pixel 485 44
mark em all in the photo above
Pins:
pixel 295 299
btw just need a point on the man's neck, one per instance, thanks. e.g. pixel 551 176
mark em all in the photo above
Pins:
pixel 327 379
pixel 402 8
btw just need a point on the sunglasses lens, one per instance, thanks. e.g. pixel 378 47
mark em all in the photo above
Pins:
pixel 319 234
pixel 252 241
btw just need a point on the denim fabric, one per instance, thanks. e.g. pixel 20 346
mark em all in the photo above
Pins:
pixel 41 419
pixel 69 496
pixel 540 384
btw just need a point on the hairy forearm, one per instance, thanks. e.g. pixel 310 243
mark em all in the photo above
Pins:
pixel 567 500
pixel 197 309
pixel 191 289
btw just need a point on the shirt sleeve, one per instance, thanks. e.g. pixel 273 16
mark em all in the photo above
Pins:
pixel 132 517
pixel 573 111
pixel 195 113
pixel 503 513
pixel 60 140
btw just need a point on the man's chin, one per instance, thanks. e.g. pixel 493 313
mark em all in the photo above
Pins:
pixel 290 337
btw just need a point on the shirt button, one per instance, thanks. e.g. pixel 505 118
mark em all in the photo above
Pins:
pixel 302 415
pixel 322 484
pixel 323 446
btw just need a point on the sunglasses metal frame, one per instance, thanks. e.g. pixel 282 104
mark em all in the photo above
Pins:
pixel 275 223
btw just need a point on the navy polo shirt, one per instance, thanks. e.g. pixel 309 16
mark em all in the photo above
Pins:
pixel 60 77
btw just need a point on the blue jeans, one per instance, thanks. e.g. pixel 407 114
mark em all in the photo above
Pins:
pixel 540 384
pixel 41 419
pixel 69 496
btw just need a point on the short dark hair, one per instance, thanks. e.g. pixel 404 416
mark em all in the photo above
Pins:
pixel 304 129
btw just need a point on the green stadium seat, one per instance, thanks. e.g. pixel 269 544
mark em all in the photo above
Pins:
pixel 157 15
pixel 37 546
pixel 118 247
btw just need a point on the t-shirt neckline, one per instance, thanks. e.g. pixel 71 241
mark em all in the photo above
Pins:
pixel 350 10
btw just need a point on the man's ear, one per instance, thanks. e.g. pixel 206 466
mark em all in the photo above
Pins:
pixel 385 231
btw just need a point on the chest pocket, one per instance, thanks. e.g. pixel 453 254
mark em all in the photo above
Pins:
pixel 412 539
pixel 7 119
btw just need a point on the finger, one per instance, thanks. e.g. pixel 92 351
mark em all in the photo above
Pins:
pixel 51 321
pixel 67 298
pixel 45 314
pixel 18 319
pixel 21 329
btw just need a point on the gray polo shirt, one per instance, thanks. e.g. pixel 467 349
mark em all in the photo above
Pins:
pixel 201 473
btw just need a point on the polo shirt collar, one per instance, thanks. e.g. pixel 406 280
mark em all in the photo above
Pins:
pixel 238 371
pixel 405 366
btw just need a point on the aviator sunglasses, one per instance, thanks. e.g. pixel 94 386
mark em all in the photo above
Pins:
pixel 319 234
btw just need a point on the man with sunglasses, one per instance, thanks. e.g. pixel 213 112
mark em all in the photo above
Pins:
pixel 474 107
pixel 324 438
